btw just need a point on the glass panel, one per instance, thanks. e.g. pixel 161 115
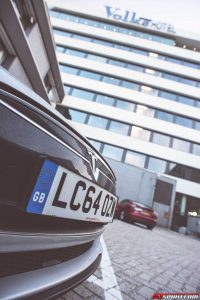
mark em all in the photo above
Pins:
pixel 53 13
pixel 145 111
pixel 181 145
pixel 61 32
pixel 77 116
pixel 167 95
pixel 186 100
pixel 68 70
pixel 191 65
pixel 112 152
pixel 140 133
pixel 96 144
pixel 196 149
pixel 135 159
pixel 105 100
pixel 130 85
pixel 122 47
pixel 138 51
pixel 174 60
pixel 82 94
pixel 90 75
pixel 81 37
pixel 149 90
pixel 60 49
pixel 75 53
pixel 189 81
pixel 111 80
pixel 97 58
pixel 67 89
pixel 116 63
pixel 157 165
pixel 197 125
pixel 97 122
pixel 134 67
pixel 164 116
pixel 119 127
pixel 101 42
pixel 184 121
pixel 170 77
pixel 125 105
pixel 161 139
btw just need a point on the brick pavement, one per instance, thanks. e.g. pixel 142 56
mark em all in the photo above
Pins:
pixel 144 262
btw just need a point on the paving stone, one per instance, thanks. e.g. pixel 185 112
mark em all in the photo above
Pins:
pixel 144 262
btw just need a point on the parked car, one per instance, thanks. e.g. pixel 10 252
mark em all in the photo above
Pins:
pixel 129 210
pixel 56 194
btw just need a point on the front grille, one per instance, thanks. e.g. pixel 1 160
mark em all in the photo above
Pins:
pixel 20 262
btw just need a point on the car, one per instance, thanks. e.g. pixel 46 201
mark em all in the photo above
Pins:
pixel 135 212
pixel 57 193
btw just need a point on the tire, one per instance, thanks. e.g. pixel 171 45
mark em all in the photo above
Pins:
pixel 150 227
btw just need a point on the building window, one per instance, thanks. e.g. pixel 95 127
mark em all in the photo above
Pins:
pixel 90 75
pixel 167 95
pixel 112 152
pixel 149 90
pixel 97 122
pixel 186 100
pixel 140 133
pixel 68 70
pixel 111 80
pixel 105 100
pixel 97 58
pixel 164 116
pixel 161 139
pixel 119 127
pixel 145 111
pixel 196 149
pixel 130 85
pixel 181 145
pixel 77 116
pixel 96 144
pixel 82 94
pixel 135 159
pixel 157 165
pixel 75 52
pixel 125 105
pixel 184 121
pixel 67 89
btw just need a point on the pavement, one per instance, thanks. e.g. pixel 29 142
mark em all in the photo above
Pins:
pixel 138 262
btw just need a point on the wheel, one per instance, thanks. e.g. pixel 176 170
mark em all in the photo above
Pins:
pixel 122 215
pixel 150 227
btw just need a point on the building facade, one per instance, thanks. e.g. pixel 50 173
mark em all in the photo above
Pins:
pixel 27 48
pixel 132 87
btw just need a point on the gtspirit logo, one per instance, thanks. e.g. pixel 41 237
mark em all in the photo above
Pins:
pixel 171 296
pixel 93 163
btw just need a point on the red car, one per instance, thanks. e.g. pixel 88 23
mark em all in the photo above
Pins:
pixel 136 212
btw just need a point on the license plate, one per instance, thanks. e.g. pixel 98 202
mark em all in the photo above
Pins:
pixel 61 193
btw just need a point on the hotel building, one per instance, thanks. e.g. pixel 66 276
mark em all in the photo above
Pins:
pixel 132 87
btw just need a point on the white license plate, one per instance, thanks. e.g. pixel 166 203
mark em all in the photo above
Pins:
pixel 62 193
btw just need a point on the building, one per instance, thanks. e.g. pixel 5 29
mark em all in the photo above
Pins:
pixel 27 48
pixel 132 86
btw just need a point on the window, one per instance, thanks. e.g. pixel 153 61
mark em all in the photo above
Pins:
pixel 196 149
pixel 75 53
pixel 60 49
pixel 135 159
pixel 101 42
pixel 122 47
pixel 184 121
pixel 67 89
pixel 82 94
pixel 138 51
pixel 145 111
pixel 112 152
pixel 181 145
pixel 130 85
pixel 97 122
pixel 77 116
pixel 119 127
pixel 167 95
pixel 105 100
pixel 97 58
pixel 96 144
pixel 170 77
pixel 164 116
pixel 157 165
pixel 111 80
pixel 134 67
pixel 116 63
pixel 149 90
pixel 68 70
pixel 189 81
pixel 125 105
pixel 140 133
pixel 161 139
pixel 82 37
pixel 90 75
pixel 186 100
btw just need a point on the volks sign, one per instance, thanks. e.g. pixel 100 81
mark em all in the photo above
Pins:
pixel 132 17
